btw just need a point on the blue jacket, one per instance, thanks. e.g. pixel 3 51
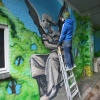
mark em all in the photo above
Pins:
pixel 67 30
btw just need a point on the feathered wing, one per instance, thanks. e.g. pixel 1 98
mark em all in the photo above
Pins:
pixel 64 8
pixel 34 16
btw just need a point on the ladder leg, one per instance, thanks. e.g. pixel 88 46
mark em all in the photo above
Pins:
pixel 68 75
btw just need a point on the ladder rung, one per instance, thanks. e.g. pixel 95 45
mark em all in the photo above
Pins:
pixel 73 90
pixel 72 85
pixel 73 95
pixel 70 77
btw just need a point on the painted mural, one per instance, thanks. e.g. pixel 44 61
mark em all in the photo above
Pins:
pixel 83 46
pixel 22 44
pixel 46 68
pixel 34 65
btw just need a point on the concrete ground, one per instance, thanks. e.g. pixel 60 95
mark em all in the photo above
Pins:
pixel 85 85
pixel 95 93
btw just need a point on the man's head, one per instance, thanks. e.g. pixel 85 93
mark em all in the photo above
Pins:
pixel 66 15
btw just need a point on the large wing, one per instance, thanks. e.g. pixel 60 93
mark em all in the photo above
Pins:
pixel 64 8
pixel 34 16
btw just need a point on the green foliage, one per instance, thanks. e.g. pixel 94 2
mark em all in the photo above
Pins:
pixel 28 89
pixel 82 41
pixel 20 41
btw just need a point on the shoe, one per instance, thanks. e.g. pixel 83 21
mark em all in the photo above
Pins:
pixel 52 93
pixel 44 98
pixel 74 66
pixel 68 69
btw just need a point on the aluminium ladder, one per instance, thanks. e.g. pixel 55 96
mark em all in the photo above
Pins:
pixel 68 75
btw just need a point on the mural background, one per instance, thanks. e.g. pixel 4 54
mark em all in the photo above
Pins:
pixel 25 40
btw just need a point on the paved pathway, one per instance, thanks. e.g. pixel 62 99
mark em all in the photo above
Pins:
pixel 85 84
pixel 95 93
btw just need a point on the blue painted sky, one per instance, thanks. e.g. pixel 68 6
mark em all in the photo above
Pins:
pixel 51 7
pixel 19 9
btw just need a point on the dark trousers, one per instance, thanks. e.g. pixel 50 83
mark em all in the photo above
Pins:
pixel 68 57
